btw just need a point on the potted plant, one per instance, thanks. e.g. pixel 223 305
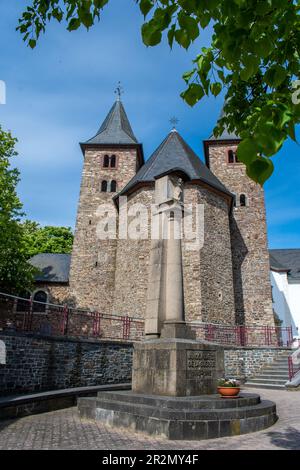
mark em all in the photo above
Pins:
pixel 228 387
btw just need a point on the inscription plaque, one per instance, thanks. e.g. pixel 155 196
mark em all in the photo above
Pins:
pixel 201 364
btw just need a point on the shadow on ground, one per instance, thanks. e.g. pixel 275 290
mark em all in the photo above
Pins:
pixel 286 439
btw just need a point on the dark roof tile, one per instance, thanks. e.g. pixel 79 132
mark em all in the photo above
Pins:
pixel 54 267
pixel 287 259
pixel 116 128
pixel 174 154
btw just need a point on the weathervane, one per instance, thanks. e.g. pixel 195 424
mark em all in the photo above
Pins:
pixel 174 121
pixel 119 91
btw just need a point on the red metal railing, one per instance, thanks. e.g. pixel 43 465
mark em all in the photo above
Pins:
pixel 244 335
pixel 26 315
pixel 294 364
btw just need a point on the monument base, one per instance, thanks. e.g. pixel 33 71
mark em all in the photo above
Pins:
pixel 184 418
pixel 176 366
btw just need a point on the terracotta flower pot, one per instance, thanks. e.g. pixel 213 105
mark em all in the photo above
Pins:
pixel 229 391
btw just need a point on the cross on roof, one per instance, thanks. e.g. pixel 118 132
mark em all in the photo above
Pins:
pixel 174 121
pixel 119 91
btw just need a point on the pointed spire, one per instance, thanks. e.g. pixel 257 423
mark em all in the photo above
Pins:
pixel 225 134
pixel 116 128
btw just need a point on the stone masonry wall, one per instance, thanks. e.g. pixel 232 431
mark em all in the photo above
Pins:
pixel 251 269
pixel 92 273
pixel 39 364
pixel 215 268
pixel 57 293
pixel 132 266
pixel 208 286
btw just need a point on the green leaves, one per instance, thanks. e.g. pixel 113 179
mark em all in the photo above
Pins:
pixel 247 151
pixel 275 76
pixel 260 170
pixel 193 94
pixel 74 24
pixel 189 25
pixel 151 34
pixel 216 88
pixel 253 54
pixel 15 272
pixel 146 6
pixel 251 64
pixel 46 239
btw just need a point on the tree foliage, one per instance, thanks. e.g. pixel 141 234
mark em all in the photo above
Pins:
pixel 46 239
pixel 253 56
pixel 16 274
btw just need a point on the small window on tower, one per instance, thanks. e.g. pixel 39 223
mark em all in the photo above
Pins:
pixel 231 156
pixel 113 161
pixel 106 161
pixel 243 200
pixel 104 186
pixel 113 186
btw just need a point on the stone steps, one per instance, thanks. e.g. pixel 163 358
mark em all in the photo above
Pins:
pixel 178 418
pixel 264 385
pixel 272 376
pixel 270 381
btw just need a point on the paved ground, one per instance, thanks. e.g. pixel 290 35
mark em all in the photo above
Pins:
pixel 65 430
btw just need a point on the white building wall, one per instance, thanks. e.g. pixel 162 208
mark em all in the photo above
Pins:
pixel 285 300
pixel 294 304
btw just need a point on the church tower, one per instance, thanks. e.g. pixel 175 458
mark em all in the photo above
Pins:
pixel 111 159
pixel 250 257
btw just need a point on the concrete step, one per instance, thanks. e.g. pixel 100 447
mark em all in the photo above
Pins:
pixel 274 372
pixel 259 380
pixel 273 376
pixel 280 363
pixel 265 386
pixel 275 369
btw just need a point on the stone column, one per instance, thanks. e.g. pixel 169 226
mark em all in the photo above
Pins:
pixel 174 277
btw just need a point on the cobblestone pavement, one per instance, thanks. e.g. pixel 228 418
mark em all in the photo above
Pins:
pixel 65 430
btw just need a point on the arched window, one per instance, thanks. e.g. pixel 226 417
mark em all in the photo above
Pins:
pixel 234 199
pixel 104 186
pixel 23 305
pixel 106 161
pixel 113 161
pixel 113 186
pixel 243 200
pixel 231 158
pixel 40 296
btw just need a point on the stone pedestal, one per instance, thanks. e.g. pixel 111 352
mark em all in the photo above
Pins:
pixel 176 367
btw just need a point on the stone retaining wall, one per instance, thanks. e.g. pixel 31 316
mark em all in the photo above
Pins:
pixel 36 363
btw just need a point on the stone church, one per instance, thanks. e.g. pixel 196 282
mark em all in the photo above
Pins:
pixel 226 281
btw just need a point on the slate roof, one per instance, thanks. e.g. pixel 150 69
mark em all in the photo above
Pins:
pixel 288 260
pixel 53 267
pixel 225 135
pixel 116 128
pixel 174 154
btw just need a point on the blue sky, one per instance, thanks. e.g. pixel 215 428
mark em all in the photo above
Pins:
pixel 58 95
